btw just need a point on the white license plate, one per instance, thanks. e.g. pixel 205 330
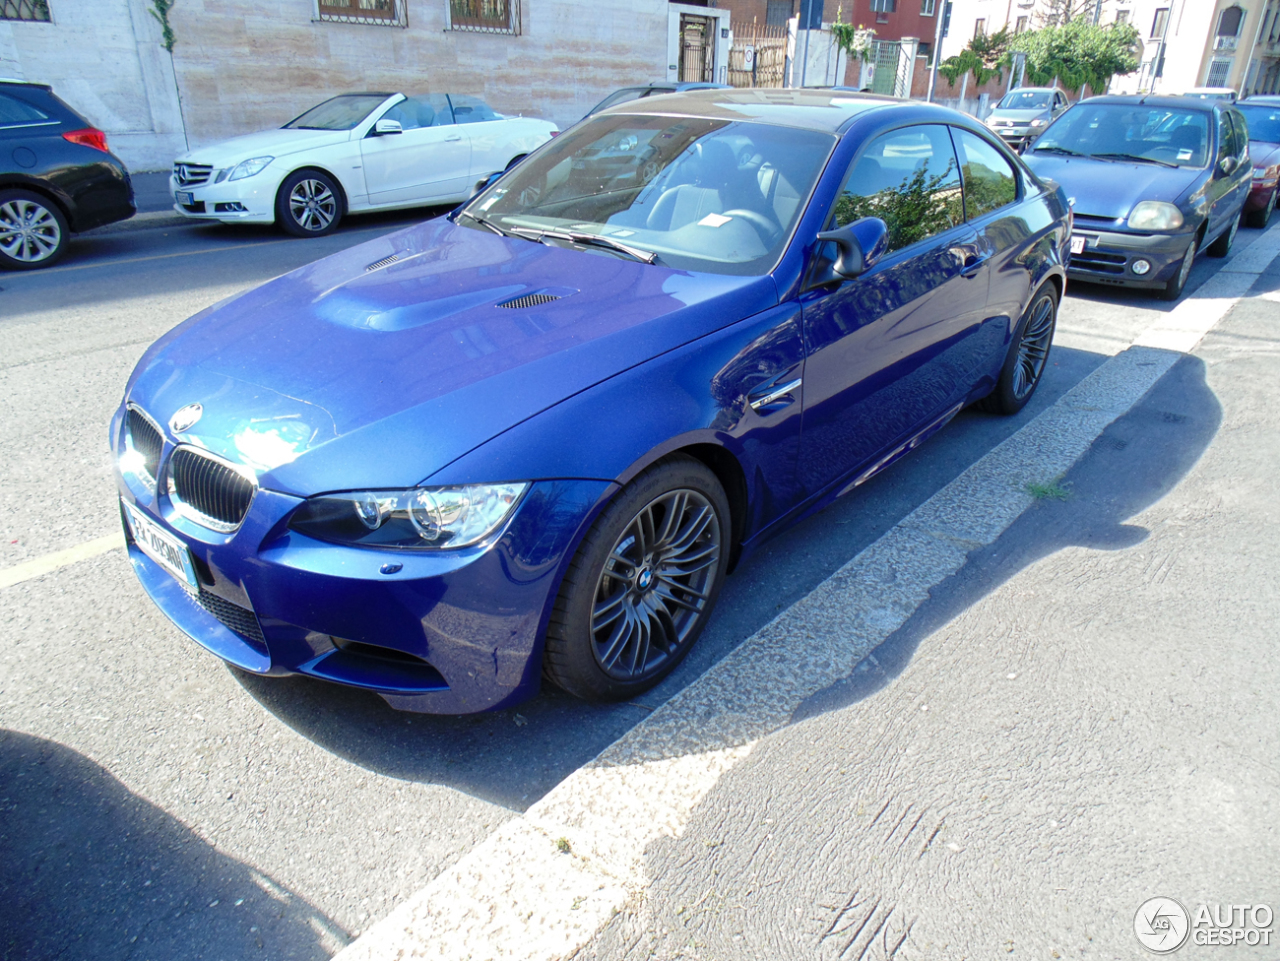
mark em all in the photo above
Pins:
pixel 1078 244
pixel 162 547
pixel 185 197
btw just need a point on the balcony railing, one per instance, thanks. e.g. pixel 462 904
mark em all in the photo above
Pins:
pixel 37 10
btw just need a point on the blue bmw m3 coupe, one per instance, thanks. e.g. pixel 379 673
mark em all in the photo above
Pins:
pixel 530 439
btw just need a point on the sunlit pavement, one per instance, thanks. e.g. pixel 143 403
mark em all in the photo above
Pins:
pixel 222 816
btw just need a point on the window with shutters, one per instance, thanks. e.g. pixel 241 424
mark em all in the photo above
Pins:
pixel 390 13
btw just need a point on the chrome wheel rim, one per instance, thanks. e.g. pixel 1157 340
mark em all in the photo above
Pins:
pixel 656 584
pixel 1033 349
pixel 312 205
pixel 1185 270
pixel 29 231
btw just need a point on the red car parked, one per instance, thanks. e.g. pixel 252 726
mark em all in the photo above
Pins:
pixel 1263 116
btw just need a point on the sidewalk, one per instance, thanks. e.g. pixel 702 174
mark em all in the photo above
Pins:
pixel 1082 718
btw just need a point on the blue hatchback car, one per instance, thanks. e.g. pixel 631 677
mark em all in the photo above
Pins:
pixel 533 437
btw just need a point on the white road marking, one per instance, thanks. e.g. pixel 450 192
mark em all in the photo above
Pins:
pixel 544 884
pixel 39 566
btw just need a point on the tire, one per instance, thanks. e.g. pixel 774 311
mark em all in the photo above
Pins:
pixel 1260 218
pixel 309 204
pixel 637 593
pixel 1028 355
pixel 33 231
pixel 1174 285
pixel 1222 246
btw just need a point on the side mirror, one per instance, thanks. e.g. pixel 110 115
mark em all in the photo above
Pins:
pixel 861 245
pixel 486 183
pixel 384 127
pixel 1226 165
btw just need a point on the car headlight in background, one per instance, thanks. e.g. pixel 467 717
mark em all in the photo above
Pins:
pixel 246 168
pixel 423 518
pixel 1259 173
pixel 1155 215
pixel 1039 122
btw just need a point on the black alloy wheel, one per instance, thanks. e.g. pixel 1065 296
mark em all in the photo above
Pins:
pixel 33 232
pixel 1260 218
pixel 309 204
pixel 1222 246
pixel 642 585
pixel 1174 285
pixel 1028 354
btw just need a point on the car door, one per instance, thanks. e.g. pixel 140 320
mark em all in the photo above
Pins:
pixel 992 191
pixel 490 134
pixel 1242 175
pixel 1059 103
pixel 428 162
pixel 23 127
pixel 1221 188
pixel 884 350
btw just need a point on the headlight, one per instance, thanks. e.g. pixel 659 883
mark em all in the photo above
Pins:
pixel 1039 122
pixel 248 168
pixel 1259 173
pixel 1155 215
pixel 424 518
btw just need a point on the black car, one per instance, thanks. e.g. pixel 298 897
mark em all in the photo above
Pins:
pixel 1153 181
pixel 57 176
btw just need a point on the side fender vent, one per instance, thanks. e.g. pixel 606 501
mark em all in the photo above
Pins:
pixel 529 300
pixel 385 261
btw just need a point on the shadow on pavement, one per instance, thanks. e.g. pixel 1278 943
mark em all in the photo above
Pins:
pixel 1136 461
pixel 89 870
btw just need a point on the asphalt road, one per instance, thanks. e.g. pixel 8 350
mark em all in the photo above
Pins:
pixel 159 805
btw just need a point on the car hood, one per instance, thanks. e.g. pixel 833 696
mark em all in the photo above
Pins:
pixel 1109 189
pixel 345 374
pixel 1018 116
pixel 264 143
pixel 1263 154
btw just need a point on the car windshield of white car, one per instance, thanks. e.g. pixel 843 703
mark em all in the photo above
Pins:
pixel 340 113
pixel 698 194
pixel 1025 100
pixel 1156 134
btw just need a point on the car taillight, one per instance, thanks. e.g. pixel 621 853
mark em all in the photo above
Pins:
pixel 88 137
pixel 555 133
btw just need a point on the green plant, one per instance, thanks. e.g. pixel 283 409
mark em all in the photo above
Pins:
pixel 855 41
pixel 1079 53
pixel 562 845
pixel 984 56
pixel 160 10
pixel 1048 490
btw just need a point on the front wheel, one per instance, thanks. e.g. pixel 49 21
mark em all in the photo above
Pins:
pixel 1174 285
pixel 33 232
pixel 642 585
pixel 1028 354
pixel 309 204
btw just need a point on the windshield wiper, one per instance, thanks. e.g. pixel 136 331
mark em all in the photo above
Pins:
pixel 1133 156
pixel 486 222
pixel 590 240
pixel 1062 150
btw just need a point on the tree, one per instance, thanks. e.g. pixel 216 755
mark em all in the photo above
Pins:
pixel 984 56
pixel 1056 13
pixel 1079 53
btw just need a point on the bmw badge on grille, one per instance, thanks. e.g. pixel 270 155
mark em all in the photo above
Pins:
pixel 185 418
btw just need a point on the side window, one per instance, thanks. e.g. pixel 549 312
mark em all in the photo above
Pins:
pixel 14 112
pixel 909 179
pixel 427 110
pixel 1059 101
pixel 989 180
pixel 1239 136
pixel 471 109
pixel 1224 137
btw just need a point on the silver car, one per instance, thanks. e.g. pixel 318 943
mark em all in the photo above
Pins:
pixel 1021 116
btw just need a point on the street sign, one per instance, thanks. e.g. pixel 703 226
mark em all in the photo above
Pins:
pixel 748 58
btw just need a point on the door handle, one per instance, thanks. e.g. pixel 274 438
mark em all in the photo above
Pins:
pixel 456 136
pixel 773 396
pixel 973 264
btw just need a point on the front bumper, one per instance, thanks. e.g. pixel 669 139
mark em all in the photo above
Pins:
pixel 452 632
pixel 1259 195
pixel 1109 257
pixel 1018 138
pixel 248 201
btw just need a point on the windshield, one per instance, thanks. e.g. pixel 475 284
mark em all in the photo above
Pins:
pixel 1158 134
pixel 1026 100
pixel 340 113
pixel 711 195
pixel 1264 122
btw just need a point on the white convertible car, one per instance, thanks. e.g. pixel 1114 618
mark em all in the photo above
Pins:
pixel 355 152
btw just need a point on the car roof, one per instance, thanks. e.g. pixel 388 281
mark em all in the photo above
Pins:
pixel 1036 89
pixel 25 83
pixel 813 109
pixel 1145 100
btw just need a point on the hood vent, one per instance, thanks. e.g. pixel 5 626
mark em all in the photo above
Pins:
pixel 529 300
pixel 384 262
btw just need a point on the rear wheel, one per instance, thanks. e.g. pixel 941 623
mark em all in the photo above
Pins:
pixel 309 204
pixel 1028 355
pixel 33 232
pixel 1260 218
pixel 1175 284
pixel 642 585
pixel 1222 246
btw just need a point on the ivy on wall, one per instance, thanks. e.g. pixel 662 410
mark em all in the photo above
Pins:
pixel 160 10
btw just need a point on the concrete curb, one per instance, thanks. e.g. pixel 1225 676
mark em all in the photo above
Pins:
pixel 543 884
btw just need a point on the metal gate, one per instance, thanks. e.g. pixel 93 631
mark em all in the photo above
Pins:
pixel 697 50
pixel 758 57
pixel 887 54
